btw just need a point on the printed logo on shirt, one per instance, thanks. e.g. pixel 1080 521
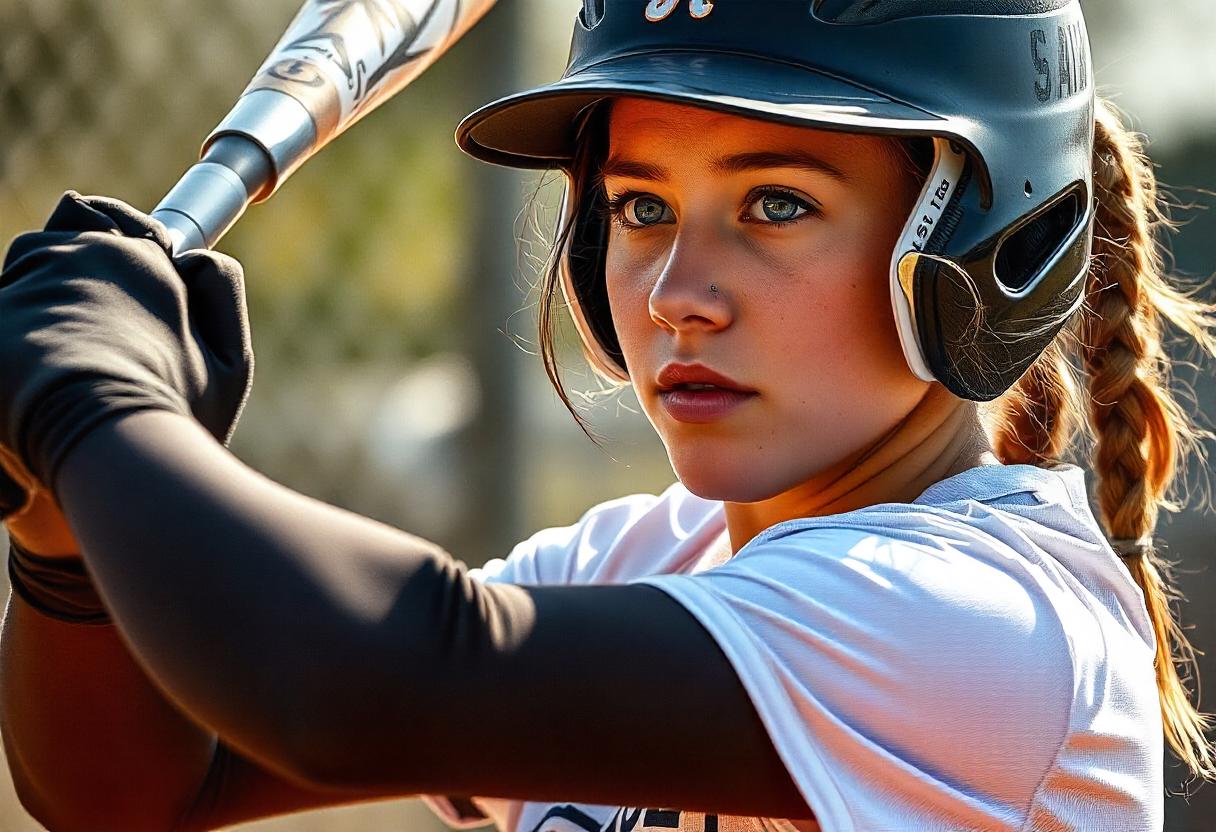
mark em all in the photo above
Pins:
pixel 573 819
pixel 567 819
pixel 595 818
pixel 570 818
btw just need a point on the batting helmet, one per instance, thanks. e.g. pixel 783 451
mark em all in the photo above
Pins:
pixel 993 259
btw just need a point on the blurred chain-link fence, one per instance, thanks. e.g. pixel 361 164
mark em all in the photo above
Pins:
pixel 387 295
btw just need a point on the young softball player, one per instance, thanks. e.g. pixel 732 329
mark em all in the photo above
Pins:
pixel 847 254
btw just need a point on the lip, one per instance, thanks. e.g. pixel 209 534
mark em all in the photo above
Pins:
pixel 675 374
pixel 699 406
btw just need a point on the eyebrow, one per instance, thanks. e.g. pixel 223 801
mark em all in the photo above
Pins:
pixel 725 165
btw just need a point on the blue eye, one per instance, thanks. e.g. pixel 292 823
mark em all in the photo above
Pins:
pixel 646 210
pixel 779 207
pixel 634 211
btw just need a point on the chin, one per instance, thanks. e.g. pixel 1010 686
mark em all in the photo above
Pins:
pixel 717 477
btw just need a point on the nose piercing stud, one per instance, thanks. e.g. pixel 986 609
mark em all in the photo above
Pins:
pixel 713 288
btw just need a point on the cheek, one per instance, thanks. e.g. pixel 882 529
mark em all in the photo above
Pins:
pixel 838 354
pixel 856 289
pixel 837 318
pixel 629 274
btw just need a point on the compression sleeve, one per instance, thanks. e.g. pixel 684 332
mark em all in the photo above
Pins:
pixel 342 652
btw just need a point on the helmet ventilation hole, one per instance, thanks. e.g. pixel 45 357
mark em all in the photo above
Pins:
pixel 592 13
pixel 1029 188
pixel 1025 252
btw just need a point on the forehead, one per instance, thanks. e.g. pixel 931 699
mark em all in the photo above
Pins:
pixel 652 129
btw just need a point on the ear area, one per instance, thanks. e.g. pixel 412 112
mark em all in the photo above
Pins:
pixel 942 183
pixel 581 266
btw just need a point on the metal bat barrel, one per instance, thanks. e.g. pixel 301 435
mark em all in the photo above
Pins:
pixel 338 60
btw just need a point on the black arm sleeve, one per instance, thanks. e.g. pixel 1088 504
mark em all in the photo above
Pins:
pixel 343 652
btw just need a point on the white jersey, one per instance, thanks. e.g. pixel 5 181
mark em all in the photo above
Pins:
pixel 978 659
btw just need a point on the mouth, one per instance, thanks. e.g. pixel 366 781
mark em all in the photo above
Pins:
pixel 697 378
pixel 695 394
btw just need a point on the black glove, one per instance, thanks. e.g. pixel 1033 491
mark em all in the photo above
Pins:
pixel 96 319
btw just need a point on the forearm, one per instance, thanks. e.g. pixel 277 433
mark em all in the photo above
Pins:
pixel 346 654
pixel 261 610
pixel 91 742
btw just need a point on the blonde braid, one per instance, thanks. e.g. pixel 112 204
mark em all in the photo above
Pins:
pixel 1038 417
pixel 1139 427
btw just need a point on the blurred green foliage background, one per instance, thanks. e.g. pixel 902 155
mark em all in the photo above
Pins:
pixel 390 279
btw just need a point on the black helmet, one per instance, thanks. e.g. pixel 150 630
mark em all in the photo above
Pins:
pixel 993 260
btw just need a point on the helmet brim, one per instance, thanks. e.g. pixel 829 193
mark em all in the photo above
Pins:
pixel 535 129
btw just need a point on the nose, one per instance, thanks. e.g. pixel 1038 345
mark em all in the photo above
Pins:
pixel 691 293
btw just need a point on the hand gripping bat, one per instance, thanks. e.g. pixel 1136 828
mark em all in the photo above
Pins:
pixel 338 61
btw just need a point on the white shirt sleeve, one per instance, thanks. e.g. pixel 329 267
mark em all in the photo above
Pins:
pixel 906 682
pixel 569 554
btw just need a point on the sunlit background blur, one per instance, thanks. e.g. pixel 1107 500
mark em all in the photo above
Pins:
pixel 390 280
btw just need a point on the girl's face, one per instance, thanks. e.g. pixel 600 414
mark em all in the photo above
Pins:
pixel 761 252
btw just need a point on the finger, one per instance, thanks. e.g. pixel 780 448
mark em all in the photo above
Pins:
pixel 76 214
pixel 103 213
pixel 215 288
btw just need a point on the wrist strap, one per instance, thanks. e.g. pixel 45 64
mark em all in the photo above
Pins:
pixel 59 588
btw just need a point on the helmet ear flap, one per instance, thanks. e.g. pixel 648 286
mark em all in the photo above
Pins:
pixel 581 266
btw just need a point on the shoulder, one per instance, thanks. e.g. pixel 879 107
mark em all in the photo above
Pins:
pixel 919 577
pixel 883 643
pixel 613 541
pixel 987 551
pixel 1040 521
pixel 952 593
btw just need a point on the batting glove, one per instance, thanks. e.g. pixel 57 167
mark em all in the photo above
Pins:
pixel 97 319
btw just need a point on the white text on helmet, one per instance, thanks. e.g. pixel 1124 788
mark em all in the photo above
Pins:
pixel 657 10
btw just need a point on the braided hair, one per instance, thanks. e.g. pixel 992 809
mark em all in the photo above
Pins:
pixel 1140 434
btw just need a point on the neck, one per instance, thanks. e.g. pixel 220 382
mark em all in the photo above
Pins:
pixel 940 437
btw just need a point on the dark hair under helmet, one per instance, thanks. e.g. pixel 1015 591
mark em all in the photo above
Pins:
pixel 993 259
